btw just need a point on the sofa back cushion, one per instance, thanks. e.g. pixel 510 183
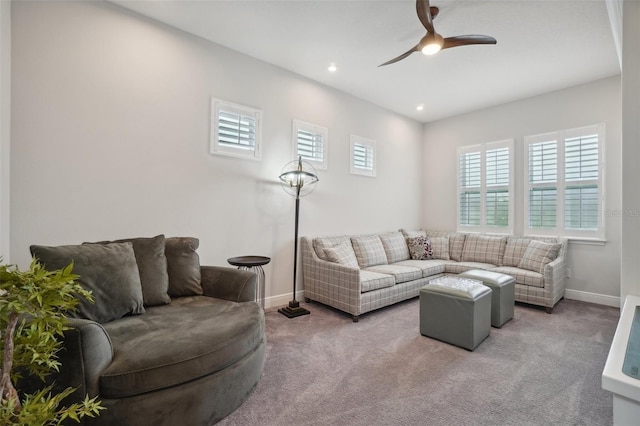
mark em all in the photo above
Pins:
pixel 514 250
pixel 321 243
pixel 413 234
pixel 183 266
pixel 152 265
pixel 484 248
pixel 395 247
pixel 369 250
pixel 108 270
pixel 456 245
pixel 538 254
pixel 516 246
pixel 440 247
pixel 342 253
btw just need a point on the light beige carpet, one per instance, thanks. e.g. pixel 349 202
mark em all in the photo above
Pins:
pixel 538 369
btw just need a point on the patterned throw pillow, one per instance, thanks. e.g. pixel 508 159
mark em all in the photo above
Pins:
pixel 538 254
pixel 420 248
pixel 343 254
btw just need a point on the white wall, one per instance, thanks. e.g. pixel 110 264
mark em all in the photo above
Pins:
pixel 5 126
pixel 110 140
pixel 595 268
pixel 630 268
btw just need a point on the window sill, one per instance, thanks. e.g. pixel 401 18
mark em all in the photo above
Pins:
pixel 587 241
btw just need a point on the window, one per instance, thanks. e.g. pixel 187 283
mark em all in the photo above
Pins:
pixel 235 130
pixel 485 187
pixel 363 156
pixel 310 143
pixel 564 187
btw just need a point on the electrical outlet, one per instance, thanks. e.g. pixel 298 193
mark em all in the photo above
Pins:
pixel 569 274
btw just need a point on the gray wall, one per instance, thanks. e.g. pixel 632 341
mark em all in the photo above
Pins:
pixel 110 139
pixel 595 268
pixel 5 126
pixel 630 265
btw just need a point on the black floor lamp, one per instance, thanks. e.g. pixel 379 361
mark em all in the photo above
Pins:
pixel 298 178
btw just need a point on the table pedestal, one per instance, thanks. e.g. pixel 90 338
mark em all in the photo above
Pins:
pixel 253 264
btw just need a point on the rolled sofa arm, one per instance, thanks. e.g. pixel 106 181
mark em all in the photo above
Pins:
pixel 230 284
pixel 86 352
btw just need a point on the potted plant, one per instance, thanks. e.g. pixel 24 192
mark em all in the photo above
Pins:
pixel 33 308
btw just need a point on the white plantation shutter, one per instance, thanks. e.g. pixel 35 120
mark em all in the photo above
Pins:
pixel 363 156
pixel 310 143
pixel 470 178
pixel 543 177
pixel 235 130
pixel 581 188
pixel 498 178
pixel 564 183
pixel 485 180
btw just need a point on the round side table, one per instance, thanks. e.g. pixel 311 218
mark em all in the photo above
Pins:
pixel 253 264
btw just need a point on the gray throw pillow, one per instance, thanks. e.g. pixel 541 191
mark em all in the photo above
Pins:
pixel 183 265
pixel 152 265
pixel 108 270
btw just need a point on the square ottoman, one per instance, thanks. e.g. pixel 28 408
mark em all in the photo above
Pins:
pixel 503 291
pixel 456 310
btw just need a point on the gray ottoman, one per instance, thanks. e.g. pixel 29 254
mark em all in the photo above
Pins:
pixel 456 310
pixel 503 291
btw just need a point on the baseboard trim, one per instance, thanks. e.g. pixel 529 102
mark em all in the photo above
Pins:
pixel 282 299
pixel 585 296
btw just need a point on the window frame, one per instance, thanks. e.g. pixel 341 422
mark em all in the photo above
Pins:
pixel 561 183
pixel 483 188
pixel 299 125
pixel 370 144
pixel 251 152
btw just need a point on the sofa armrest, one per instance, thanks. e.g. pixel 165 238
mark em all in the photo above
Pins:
pixel 230 284
pixel 86 352
pixel 330 283
pixel 554 280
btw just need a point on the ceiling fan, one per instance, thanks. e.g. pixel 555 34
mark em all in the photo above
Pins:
pixel 433 42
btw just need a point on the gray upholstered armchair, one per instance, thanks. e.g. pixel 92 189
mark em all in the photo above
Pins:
pixel 190 360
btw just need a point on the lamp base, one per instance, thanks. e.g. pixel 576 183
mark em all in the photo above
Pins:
pixel 293 310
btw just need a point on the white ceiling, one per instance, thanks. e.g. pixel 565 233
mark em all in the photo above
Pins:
pixel 543 45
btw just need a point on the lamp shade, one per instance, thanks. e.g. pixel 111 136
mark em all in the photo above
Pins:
pixel 298 178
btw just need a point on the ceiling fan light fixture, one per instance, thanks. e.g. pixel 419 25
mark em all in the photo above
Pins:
pixel 431 49
pixel 431 44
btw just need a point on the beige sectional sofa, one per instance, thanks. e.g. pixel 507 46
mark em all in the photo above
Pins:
pixel 360 273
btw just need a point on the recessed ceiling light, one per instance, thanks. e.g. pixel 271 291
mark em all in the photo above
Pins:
pixel 420 107
pixel 333 67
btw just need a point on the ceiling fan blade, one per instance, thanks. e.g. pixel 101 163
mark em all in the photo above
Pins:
pixel 434 12
pixel 466 40
pixel 424 14
pixel 401 57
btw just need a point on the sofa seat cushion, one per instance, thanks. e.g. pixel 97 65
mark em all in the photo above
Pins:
pixel 428 267
pixel 401 273
pixel 460 267
pixel 522 276
pixel 172 344
pixel 370 281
